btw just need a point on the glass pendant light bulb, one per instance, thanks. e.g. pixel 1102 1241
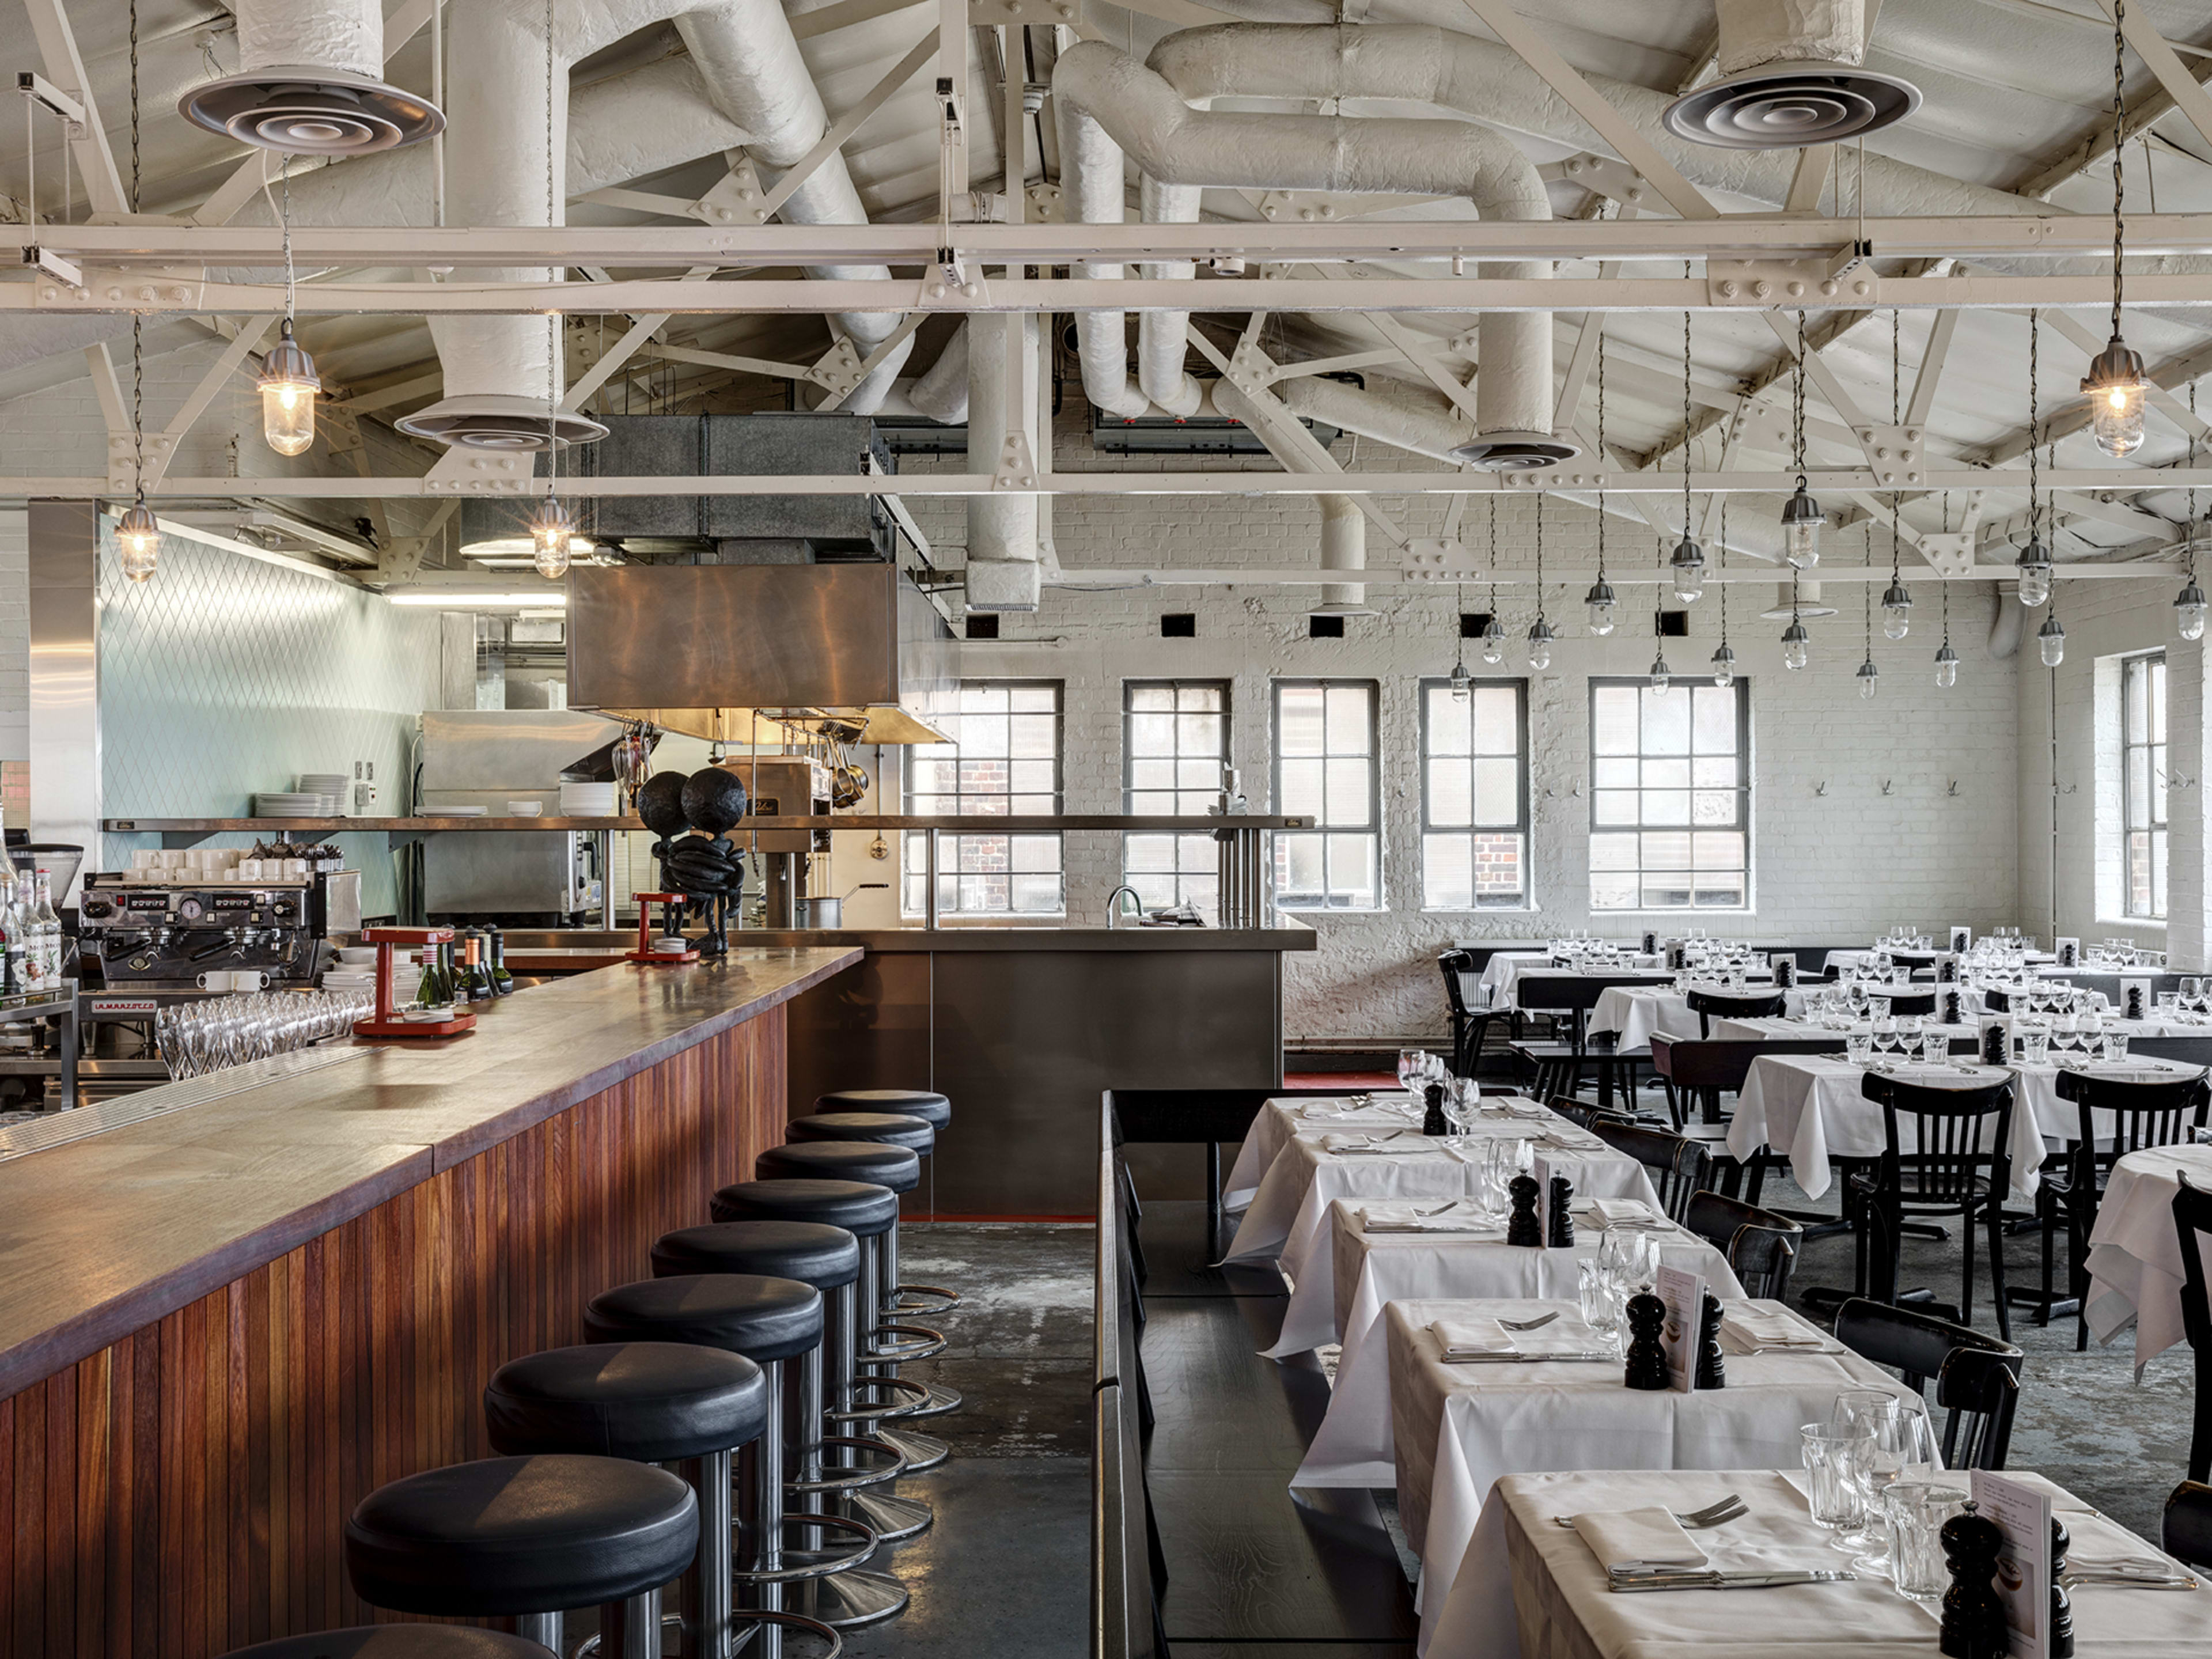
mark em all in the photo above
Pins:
pixel 2034 567
pixel 138 541
pixel 2050 640
pixel 288 384
pixel 1688 566
pixel 1540 644
pixel 1662 676
pixel 1796 646
pixel 551 533
pixel 1947 665
pixel 1869 679
pixel 2117 392
pixel 1600 600
pixel 2189 610
pixel 1896 610
pixel 1460 681
pixel 1725 668
pixel 1493 642
pixel 1802 519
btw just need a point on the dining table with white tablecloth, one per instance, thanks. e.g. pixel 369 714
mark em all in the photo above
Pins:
pixel 1374 1265
pixel 1318 1162
pixel 1457 1428
pixel 1633 1014
pixel 1812 1109
pixel 1530 1588
pixel 2134 1250
pixel 1518 979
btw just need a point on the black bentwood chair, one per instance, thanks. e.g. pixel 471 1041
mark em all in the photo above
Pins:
pixel 1976 1376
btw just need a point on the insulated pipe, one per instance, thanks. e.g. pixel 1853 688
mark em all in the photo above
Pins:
pixel 345 35
pixel 1162 337
pixel 1145 114
pixel 1343 547
pixel 2006 626
pixel 1003 572
pixel 941 393
pixel 1092 192
pixel 1754 33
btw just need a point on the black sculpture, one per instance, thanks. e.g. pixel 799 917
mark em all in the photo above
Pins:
pixel 1521 1227
pixel 1647 1359
pixel 709 872
pixel 1712 1369
pixel 1973 1613
pixel 1561 1230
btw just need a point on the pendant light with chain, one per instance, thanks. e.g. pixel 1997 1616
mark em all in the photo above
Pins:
pixel 1723 659
pixel 1870 675
pixel 288 382
pixel 1493 631
pixel 1540 635
pixel 2051 638
pixel 1662 676
pixel 1896 599
pixel 1796 643
pixel 1600 598
pixel 1946 660
pixel 137 537
pixel 1802 517
pixel 2188 603
pixel 1688 564
pixel 2034 561
pixel 1461 680
pixel 551 527
pixel 2115 384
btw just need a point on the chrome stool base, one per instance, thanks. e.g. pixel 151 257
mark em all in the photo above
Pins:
pixel 941 1400
pixel 946 1300
pixel 927 1344
pixel 589 1647
pixel 920 1451
pixel 890 1517
pixel 847 1600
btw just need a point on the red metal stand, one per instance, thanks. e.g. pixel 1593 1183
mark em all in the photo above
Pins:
pixel 645 953
pixel 386 1022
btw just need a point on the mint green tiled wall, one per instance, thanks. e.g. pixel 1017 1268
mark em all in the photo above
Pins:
pixel 223 676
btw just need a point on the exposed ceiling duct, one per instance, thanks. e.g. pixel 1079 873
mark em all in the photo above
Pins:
pixel 1790 74
pixel 310 82
pixel 1004 435
pixel 1148 112
pixel 1343 547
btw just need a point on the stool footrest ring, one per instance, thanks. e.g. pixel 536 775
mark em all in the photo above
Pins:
pixel 590 1645
pixel 918 1395
pixel 928 1342
pixel 739 1575
pixel 947 1299
pixel 856 1479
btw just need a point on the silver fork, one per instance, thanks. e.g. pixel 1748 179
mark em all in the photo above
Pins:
pixel 1535 1324
pixel 1731 1508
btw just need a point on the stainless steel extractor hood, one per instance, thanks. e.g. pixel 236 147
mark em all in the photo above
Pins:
pixel 731 653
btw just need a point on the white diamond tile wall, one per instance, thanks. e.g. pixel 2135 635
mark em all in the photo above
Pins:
pixel 223 677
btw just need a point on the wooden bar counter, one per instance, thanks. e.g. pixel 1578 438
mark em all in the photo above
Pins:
pixel 223 1322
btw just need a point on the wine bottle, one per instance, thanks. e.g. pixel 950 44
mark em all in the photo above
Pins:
pixel 50 929
pixel 480 987
pixel 426 988
pixel 503 983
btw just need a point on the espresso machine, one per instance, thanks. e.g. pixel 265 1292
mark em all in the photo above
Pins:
pixel 152 939
pixel 782 786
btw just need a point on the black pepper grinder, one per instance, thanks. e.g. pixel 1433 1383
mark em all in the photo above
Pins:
pixel 1973 1615
pixel 2061 1604
pixel 2134 1009
pixel 1646 1366
pixel 1560 1228
pixel 1712 1368
pixel 1432 1119
pixel 1993 1043
pixel 1521 1226
pixel 1954 1006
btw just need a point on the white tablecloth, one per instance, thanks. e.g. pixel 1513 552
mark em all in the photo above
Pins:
pixel 1529 1589
pixel 1457 1428
pixel 1514 991
pixel 1808 1108
pixel 1352 1446
pixel 1303 1178
pixel 1281 1121
pixel 2135 1252
pixel 1632 1013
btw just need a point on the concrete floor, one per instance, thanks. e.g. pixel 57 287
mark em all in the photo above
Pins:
pixel 1006 1568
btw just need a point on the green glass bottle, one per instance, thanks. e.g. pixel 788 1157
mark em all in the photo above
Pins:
pixel 503 983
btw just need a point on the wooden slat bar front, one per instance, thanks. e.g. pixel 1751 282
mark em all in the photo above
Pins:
pixel 226 1325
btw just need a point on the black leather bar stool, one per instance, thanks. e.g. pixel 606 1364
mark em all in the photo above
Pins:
pixel 919 1136
pixel 934 1110
pixel 652 1402
pixel 529 1539
pixel 829 1259
pixel 770 1321
pixel 881 1163
pixel 396 1642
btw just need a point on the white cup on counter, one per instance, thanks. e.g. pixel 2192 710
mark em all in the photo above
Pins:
pixel 233 978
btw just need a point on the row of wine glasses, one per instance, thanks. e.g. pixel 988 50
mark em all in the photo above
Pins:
pixel 196 1038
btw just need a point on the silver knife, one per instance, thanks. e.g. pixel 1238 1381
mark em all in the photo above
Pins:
pixel 1531 1358
pixel 1716 1580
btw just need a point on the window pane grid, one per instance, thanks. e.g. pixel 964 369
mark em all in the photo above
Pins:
pixel 1325 767
pixel 1004 761
pixel 2142 785
pixel 1175 759
pixel 1670 797
pixel 1474 796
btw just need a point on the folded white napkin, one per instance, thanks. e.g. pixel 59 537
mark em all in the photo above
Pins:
pixel 1629 1538
pixel 1364 1142
pixel 1408 1219
pixel 1612 1212
pixel 1519 1108
pixel 1745 1329
pixel 1465 1339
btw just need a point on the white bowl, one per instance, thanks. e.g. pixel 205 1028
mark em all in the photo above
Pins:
pixel 525 809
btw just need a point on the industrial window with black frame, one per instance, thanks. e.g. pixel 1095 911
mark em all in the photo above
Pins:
pixel 1004 760
pixel 1474 795
pixel 1670 796
pixel 1174 761
pixel 2143 777
pixel 1324 767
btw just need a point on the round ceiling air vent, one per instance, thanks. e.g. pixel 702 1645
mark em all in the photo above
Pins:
pixel 1789 106
pixel 500 424
pixel 311 112
pixel 1810 611
pixel 1512 451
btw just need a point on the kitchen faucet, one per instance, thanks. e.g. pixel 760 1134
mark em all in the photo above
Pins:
pixel 1114 905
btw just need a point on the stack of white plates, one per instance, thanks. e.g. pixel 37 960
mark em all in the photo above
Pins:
pixel 588 800
pixel 331 786
pixel 293 806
